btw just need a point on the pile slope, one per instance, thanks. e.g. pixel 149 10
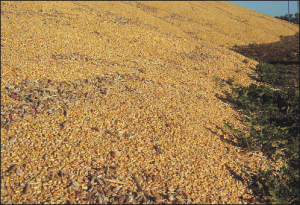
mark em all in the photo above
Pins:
pixel 103 93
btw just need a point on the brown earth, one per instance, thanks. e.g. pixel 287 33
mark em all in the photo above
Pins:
pixel 120 101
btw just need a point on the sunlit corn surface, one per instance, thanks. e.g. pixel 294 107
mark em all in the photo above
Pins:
pixel 120 102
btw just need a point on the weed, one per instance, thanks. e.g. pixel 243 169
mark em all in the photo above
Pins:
pixel 220 81
pixel 274 75
pixel 245 61
pixel 229 81
pixel 273 118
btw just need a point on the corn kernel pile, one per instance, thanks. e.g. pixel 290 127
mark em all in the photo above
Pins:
pixel 118 102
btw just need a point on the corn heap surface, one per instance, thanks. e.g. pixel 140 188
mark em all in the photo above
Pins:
pixel 118 102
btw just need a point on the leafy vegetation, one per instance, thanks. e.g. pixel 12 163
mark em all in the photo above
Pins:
pixel 229 81
pixel 222 82
pixel 245 61
pixel 273 118
pixel 275 75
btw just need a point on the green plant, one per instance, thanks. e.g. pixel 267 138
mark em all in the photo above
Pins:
pixel 273 118
pixel 274 75
pixel 245 61
pixel 283 187
pixel 220 81
pixel 229 81
pixel 241 136
pixel 275 111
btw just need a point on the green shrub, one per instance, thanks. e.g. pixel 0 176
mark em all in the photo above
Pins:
pixel 274 75
pixel 282 187
pixel 273 118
